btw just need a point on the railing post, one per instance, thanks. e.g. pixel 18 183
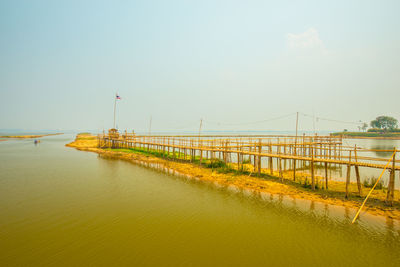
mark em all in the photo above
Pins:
pixel 348 176
pixel 326 175
pixel 271 163
pixel 357 172
pixel 312 167
pixel 390 192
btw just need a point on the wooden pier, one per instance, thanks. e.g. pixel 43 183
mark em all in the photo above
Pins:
pixel 270 154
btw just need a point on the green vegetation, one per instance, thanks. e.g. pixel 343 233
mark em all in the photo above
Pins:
pixel 246 161
pixel 382 126
pixel 371 181
pixel 384 123
pixel 216 164
pixel 307 184
pixel 153 152
pixel 375 130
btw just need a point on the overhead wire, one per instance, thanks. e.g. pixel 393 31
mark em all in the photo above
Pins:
pixel 332 120
pixel 265 120
pixel 254 122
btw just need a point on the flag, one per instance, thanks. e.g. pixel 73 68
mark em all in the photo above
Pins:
pixel 118 97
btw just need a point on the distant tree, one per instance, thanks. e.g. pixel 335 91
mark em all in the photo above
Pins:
pixel 364 126
pixel 385 123
pixel 345 130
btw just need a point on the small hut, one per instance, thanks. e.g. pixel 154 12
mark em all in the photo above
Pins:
pixel 113 133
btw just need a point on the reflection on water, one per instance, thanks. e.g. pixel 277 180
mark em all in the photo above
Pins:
pixel 60 206
pixel 375 144
pixel 383 154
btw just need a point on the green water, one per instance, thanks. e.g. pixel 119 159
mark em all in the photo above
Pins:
pixel 60 206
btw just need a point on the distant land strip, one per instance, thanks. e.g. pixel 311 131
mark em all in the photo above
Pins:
pixel 368 135
pixel 28 136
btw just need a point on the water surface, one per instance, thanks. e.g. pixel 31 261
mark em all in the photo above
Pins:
pixel 60 206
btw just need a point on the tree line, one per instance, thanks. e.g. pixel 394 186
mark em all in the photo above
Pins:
pixel 383 124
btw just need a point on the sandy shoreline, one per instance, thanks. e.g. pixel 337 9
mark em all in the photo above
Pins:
pixel 271 185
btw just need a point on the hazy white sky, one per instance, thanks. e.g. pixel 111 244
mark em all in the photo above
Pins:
pixel 229 62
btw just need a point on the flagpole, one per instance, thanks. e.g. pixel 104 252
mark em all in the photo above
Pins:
pixel 115 106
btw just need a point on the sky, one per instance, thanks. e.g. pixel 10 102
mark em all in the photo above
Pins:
pixel 237 65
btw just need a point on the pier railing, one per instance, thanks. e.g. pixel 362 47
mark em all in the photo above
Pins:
pixel 272 154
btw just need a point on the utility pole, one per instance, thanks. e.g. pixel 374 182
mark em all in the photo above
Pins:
pixel 151 117
pixel 295 147
pixel 313 121
pixel 201 124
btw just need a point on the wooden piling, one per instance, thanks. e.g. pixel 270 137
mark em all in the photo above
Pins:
pixel 326 175
pixel 312 168
pixel 357 173
pixel 348 177
pixel 390 192
pixel 271 167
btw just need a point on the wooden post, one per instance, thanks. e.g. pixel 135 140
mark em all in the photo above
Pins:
pixel 312 167
pixel 168 147
pixel 348 176
pixel 184 150
pixel 271 164
pixel 173 149
pixel 191 151
pixel 326 175
pixel 294 165
pixel 390 192
pixel 238 154
pixel 284 152
pixel 254 160
pixel 225 154
pixel 201 152
pixel 163 146
pixel 357 172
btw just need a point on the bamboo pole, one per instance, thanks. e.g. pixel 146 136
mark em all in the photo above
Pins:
pixel 284 161
pixel 294 167
pixel 254 160
pixel 271 167
pixel 357 172
pixel 372 189
pixel 326 175
pixel 312 168
pixel 295 144
pixel 390 192
pixel 348 176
